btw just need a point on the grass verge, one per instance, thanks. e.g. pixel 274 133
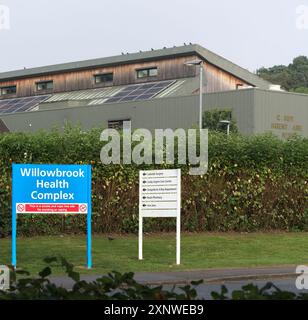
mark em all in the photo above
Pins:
pixel 199 251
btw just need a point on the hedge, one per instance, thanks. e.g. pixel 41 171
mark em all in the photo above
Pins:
pixel 253 183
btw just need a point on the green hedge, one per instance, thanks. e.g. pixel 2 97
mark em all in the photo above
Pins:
pixel 253 183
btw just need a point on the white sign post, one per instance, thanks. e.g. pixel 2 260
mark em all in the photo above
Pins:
pixel 160 196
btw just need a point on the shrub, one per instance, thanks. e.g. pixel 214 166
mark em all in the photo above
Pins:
pixel 211 120
pixel 253 183
pixel 117 286
pixel 114 286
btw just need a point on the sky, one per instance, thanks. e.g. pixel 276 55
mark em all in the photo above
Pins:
pixel 251 34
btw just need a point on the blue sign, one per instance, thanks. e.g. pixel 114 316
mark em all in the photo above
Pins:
pixel 50 189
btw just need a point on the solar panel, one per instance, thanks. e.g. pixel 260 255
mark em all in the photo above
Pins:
pixel 145 96
pixel 140 91
pixel 20 104
pixel 149 85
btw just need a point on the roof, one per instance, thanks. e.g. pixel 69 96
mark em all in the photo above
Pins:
pixel 232 68
pixel 205 54
pixel 103 95
pixel 179 87
pixel 114 94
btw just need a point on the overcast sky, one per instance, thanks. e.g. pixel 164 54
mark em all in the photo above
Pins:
pixel 249 33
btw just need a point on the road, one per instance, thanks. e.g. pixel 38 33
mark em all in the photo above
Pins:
pixel 282 276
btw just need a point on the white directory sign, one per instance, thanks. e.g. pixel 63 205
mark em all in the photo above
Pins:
pixel 160 196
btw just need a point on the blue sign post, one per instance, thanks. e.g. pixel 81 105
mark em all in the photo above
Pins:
pixel 51 189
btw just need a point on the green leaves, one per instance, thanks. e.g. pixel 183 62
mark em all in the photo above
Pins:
pixel 114 286
pixel 292 77
pixel 253 183
pixel 211 120
pixel 45 272
pixel 117 286
pixel 252 292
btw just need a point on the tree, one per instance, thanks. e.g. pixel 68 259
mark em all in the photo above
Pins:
pixel 300 90
pixel 211 120
pixel 293 77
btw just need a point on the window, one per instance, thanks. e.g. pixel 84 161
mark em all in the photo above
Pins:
pixel 153 72
pixel 44 85
pixel 148 72
pixel 119 124
pixel 103 78
pixel 8 90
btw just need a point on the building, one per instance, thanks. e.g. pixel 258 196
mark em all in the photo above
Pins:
pixel 153 89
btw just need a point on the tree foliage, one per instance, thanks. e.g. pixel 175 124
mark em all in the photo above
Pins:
pixel 211 120
pixel 117 286
pixel 293 77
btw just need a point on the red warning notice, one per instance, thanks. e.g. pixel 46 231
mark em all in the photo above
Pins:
pixel 51 208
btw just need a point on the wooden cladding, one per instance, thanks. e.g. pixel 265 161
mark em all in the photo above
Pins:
pixel 3 127
pixel 167 69
pixel 172 68
pixel 219 80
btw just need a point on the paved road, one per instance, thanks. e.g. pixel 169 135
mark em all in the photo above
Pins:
pixel 282 276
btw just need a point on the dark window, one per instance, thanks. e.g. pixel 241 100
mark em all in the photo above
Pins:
pixel 44 85
pixel 8 90
pixel 118 124
pixel 102 78
pixel 147 72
